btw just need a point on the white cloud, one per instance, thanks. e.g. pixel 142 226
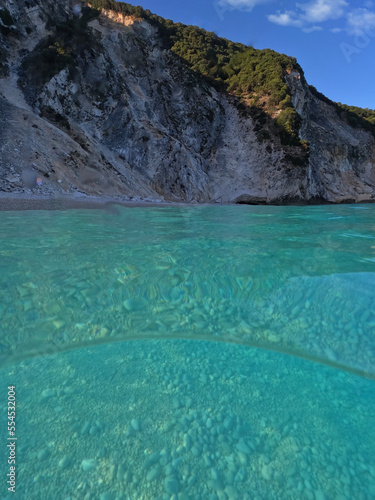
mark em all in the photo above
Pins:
pixel 310 14
pixel 240 4
pixel 287 18
pixel 360 21
pixel 318 11
pixel 315 11
pixel 311 29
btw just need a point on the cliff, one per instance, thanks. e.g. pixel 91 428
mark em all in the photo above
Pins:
pixel 94 101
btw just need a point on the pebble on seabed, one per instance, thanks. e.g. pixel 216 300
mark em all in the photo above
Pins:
pixel 65 462
pixel 171 485
pixel 89 465
pixel 216 454
pixel 43 454
pixel 136 425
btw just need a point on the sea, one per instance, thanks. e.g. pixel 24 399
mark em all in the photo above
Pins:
pixel 188 353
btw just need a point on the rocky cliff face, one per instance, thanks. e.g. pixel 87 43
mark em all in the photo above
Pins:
pixel 342 162
pixel 130 118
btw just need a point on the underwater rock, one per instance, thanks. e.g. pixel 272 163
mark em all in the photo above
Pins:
pixel 47 394
pixel 65 462
pixel 171 485
pixel 132 305
pixel 267 472
pixel 136 425
pixel 243 447
pixel 43 454
pixel 153 473
pixel 89 465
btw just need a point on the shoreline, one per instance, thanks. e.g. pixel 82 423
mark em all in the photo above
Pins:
pixel 10 202
pixel 21 202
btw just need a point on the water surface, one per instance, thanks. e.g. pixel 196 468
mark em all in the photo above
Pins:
pixel 294 279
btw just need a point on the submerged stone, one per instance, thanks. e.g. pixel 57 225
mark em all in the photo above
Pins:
pixel 171 485
pixel 89 465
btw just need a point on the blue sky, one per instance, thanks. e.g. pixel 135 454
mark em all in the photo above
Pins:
pixel 333 40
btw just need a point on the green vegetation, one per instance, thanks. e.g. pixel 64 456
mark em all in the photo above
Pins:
pixel 44 63
pixel 353 115
pixel 6 18
pixel 365 113
pixel 259 73
pixel 358 117
pixel 125 8
pixel 203 51
pixel 289 123
pixel 50 61
pixel 254 76
pixel 60 50
pixel 6 24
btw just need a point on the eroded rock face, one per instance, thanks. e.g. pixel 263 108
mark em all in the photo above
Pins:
pixel 342 158
pixel 129 118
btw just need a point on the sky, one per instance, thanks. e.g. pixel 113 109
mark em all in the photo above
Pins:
pixel 333 40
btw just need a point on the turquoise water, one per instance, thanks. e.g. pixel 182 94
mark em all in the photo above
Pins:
pixel 198 420
pixel 183 417
pixel 294 279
